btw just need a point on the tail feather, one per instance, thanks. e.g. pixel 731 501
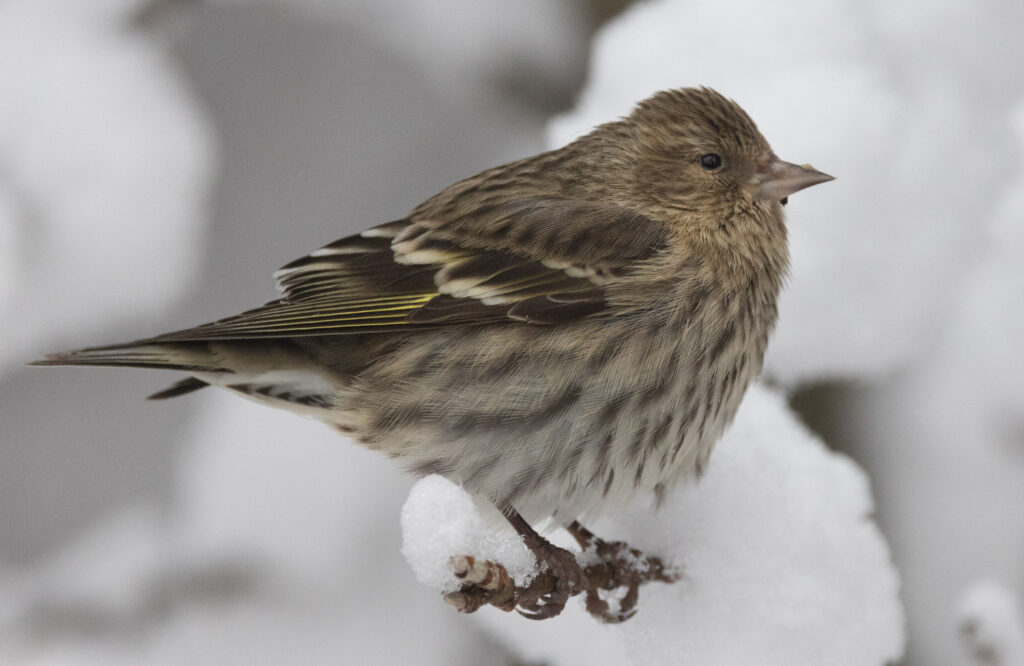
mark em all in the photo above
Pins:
pixel 273 372
pixel 182 387
pixel 187 357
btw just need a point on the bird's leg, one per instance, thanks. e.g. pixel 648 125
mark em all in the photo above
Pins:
pixel 559 563
pixel 619 566
pixel 558 578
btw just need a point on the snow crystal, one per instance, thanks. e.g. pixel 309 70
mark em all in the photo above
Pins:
pixel 440 520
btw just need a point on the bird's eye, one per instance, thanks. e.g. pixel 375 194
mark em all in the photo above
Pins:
pixel 710 161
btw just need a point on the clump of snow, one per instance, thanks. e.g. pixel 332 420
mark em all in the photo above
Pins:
pixel 440 520
pixel 992 625
pixel 100 140
pixel 856 94
pixel 782 563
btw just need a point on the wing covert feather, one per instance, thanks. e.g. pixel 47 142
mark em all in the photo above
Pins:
pixel 538 260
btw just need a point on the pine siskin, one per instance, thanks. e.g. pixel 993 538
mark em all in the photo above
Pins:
pixel 556 334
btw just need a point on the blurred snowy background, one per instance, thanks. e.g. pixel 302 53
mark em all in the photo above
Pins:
pixel 159 158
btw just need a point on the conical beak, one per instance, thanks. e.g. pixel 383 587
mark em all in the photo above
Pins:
pixel 781 179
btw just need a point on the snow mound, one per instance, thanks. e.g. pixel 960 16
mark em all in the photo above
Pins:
pixel 776 544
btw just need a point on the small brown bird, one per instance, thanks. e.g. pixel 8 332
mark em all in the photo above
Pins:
pixel 556 334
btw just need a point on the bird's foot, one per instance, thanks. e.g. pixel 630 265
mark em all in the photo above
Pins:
pixel 617 572
pixel 610 580
pixel 562 566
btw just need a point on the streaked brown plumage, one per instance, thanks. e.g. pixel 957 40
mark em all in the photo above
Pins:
pixel 555 334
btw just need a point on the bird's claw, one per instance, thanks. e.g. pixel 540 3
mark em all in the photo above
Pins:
pixel 562 567
pixel 610 585
pixel 620 567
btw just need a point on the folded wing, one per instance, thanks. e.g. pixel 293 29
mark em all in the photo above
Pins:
pixel 539 260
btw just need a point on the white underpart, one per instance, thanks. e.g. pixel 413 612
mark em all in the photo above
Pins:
pixel 301 382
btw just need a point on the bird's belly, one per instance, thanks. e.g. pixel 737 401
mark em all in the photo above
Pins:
pixel 647 447
pixel 565 429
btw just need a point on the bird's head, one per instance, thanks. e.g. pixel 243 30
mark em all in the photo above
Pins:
pixel 696 150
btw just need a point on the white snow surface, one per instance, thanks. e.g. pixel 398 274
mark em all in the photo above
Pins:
pixel 439 520
pixel 881 95
pixel 781 560
pixel 105 162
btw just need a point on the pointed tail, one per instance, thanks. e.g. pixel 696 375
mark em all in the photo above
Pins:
pixel 184 356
